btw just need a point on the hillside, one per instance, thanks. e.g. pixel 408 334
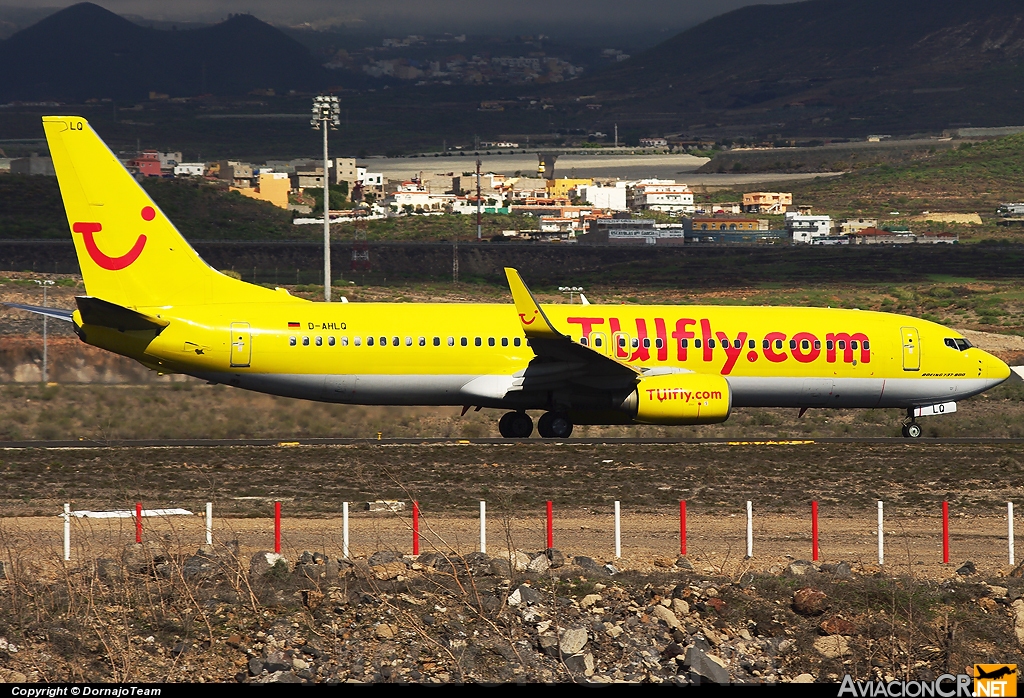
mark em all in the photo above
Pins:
pixel 828 66
pixel 972 177
pixel 85 52
pixel 31 209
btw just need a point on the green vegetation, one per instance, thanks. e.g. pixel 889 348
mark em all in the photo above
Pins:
pixel 974 177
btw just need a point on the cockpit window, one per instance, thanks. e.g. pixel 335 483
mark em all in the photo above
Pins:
pixel 957 343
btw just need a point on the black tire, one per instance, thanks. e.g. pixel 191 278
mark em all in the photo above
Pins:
pixel 914 430
pixel 903 430
pixel 505 424
pixel 554 425
pixel 520 425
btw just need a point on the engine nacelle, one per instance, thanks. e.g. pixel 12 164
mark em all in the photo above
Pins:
pixel 681 398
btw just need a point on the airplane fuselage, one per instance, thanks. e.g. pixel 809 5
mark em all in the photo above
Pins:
pixel 470 354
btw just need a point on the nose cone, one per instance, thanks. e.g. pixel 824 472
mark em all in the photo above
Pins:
pixel 994 369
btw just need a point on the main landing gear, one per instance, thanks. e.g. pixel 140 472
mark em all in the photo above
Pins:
pixel 552 425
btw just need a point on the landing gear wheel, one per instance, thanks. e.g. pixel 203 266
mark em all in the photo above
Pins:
pixel 554 425
pixel 515 425
pixel 912 430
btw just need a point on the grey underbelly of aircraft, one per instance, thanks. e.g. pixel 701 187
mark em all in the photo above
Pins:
pixel 502 392
pixel 852 392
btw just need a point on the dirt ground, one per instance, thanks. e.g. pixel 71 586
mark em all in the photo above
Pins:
pixel 715 542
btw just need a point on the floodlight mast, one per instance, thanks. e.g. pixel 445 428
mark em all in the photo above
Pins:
pixel 326 116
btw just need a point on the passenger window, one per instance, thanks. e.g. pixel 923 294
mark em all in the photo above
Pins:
pixel 765 344
pixel 369 341
pixel 383 341
pixel 477 342
pixel 583 341
pixel 751 344
pixel 830 345
pixel 357 341
pixel 778 343
pixel 344 341
pixel 853 344
pixel 696 344
pixel 504 341
pixel 867 345
pixel 437 341
pixel 622 342
pixel 464 342
pixel 451 341
pixel 490 341
pixel 291 341
pixel 737 344
pixel 305 341
pixel 842 343
pixel 711 344
pixel 659 343
pixel 517 341
pixel 597 342
pixel 330 341
pixel 408 341
pixel 805 344
pixel 817 344
pixel 647 343
pixel 423 341
pixel 395 341
pixel 635 343
pixel 792 344
pixel 319 341
pixel 683 343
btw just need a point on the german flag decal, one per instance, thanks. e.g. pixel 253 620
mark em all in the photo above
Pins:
pixel 293 324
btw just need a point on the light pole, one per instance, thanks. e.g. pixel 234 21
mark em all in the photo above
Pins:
pixel 326 115
pixel 46 374
pixel 571 290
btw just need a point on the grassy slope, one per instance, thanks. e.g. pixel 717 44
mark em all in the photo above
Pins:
pixel 971 178
pixel 31 209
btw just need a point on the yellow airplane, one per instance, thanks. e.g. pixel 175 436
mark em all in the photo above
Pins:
pixel 152 298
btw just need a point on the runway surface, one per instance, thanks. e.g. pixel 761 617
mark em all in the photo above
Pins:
pixel 285 443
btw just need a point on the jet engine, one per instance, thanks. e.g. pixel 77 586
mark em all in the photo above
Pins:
pixel 680 398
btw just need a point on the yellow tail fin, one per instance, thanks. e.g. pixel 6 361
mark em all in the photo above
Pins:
pixel 130 253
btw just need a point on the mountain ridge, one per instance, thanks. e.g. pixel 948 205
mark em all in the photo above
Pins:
pixel 85 51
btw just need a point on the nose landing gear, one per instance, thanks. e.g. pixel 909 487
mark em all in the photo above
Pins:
pixel 912 430
pixel 515 425
pixel 555 425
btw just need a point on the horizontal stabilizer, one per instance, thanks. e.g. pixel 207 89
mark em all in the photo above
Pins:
pixel 96 311
pixel 1019 370
pixel 56 313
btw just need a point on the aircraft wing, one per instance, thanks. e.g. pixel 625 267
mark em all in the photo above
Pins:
pixel 56 313
pixel 559 359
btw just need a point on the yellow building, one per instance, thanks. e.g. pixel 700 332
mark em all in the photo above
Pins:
pixel 562 187
pixel 273 187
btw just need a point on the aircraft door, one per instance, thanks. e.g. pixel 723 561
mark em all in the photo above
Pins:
pixel 599 342
pixel 621 342
pixel 911 348
pixel 241 344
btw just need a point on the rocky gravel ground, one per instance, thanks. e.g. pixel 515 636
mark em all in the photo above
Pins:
pixel 524 617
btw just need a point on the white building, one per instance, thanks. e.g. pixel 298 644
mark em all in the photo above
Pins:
pixel 613 198
pixel 807 228
pixel 660 195
pixel 190 169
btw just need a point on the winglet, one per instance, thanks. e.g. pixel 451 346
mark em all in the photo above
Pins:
pixel 535 323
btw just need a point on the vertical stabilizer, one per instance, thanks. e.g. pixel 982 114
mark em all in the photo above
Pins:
pixel 129 252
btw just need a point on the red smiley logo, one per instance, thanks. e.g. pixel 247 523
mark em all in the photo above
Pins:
pixel 88 230
pixel 522 316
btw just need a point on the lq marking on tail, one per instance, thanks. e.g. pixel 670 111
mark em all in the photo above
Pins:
pixel 88 230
